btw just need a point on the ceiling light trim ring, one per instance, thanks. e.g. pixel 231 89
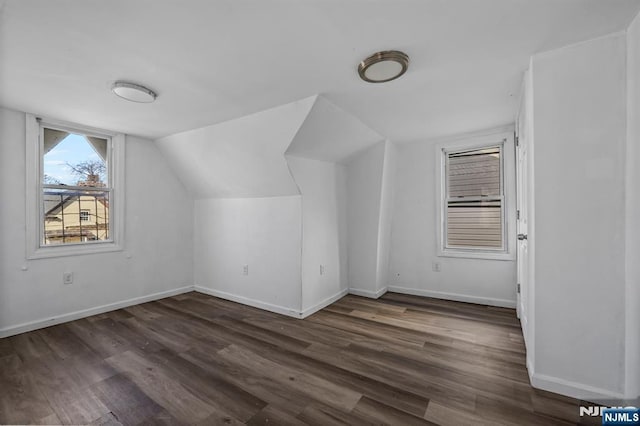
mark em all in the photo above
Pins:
pixel 148 95
pixel 387 55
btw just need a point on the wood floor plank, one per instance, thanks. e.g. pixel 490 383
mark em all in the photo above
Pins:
pixel 320 414
pixel 162 418
pixel 6 348
pixel 153 381
pixel 491 409
pixel 444 415
pixel 464 399
pixel 100 340
pixel 401 322
pixel 64 343
pixel 369 305
pixel 107 420
pixel 376 412
pixel 308 331
pixel 128 403
pixel 313 386
pixel 29 345
pixel 187 330
pixel 251 381
pixel 272 415
pixel 477 313
pixel 197 359
pixel 461 381
pixel 76 407
pixel 383 332
pixel 66 388
pixel 21 402
pixel 381 391
pixel 51 419
pixel 225 396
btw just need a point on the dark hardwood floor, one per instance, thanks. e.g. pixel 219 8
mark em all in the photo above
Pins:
pixel 196 359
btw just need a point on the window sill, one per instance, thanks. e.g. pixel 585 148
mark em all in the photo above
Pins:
pixel 475 254
pixel 73 250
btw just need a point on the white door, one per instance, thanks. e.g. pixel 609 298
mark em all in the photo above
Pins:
pixel 522 132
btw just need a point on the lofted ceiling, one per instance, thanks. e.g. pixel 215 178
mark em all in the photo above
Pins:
pixel 329 133
pixel 241 158
pixel 213 61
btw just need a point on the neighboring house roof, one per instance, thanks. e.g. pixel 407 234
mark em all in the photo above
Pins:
pixel 55 206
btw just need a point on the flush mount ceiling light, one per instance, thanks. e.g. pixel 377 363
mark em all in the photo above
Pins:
pixel 133 92
pixel 383 66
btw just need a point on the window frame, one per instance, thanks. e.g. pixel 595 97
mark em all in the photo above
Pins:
pixel 447 199
pixel 36 248
pixel 503 139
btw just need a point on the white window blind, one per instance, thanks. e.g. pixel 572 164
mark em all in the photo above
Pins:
pixel 474 217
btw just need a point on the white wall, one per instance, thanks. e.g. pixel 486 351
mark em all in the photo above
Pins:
pixel 632 373
pixel 364 184
pixel 414 239
pixel 330 133
pixel 263 233
pixel 238 158
pixel 579 137
pixel 343 224
pixel 158 235
pixel 323 229
pixel 387 191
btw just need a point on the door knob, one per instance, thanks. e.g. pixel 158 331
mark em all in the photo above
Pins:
pixel 522 237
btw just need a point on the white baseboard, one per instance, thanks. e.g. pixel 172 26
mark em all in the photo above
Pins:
pixel 574 389
pixel 529 367
pixel 47 322
pixel 326 302
pixel 59 319
pixel 539 381
pixel 503 303
pixel 250 302
pixel 367 293
pixel 571 389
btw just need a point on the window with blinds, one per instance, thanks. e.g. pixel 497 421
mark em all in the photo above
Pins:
pixel 474 208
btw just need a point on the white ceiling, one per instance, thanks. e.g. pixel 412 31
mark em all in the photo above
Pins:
pixel 329 133
pixel 212 61
pixel 241 158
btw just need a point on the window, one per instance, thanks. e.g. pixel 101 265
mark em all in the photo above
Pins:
pixel 84 215
pixel 75 185
pixel 474 199
pixel 76 174
pixel 475 209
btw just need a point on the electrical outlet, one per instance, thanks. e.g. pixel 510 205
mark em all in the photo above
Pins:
pixel 435 266
pixel 245 270
pixel 321 269
pixel 67 278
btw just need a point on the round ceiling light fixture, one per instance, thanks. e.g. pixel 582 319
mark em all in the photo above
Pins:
pixel 133 92
pixel 383 66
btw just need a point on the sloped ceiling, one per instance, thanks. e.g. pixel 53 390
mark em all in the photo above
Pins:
pixel 241 158
pixel 331 134
pixel 214 61
pixel 245 158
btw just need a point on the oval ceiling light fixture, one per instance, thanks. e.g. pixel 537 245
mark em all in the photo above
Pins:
pixel 383 66
pixel 133 92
